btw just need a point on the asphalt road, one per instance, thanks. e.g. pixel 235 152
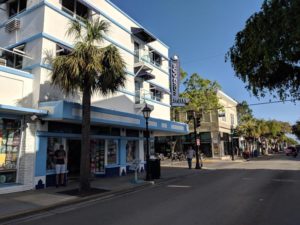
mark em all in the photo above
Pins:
pixel 262 192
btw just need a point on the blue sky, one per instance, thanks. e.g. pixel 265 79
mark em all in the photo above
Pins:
pixel 200 32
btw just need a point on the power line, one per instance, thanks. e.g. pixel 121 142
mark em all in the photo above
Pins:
pixel 267 103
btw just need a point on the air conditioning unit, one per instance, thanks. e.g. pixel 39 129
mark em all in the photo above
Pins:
pixel 2 62
pixel 12 25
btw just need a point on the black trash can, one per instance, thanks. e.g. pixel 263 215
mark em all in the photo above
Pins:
pixel 154 166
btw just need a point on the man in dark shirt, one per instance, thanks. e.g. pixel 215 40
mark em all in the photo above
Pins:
pixel 60 165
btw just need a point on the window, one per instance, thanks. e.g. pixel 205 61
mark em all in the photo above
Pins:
pixel 151 148
pixel 156 94
pixel 155 58
pixel 132 133
pixel 53 145
pixel 62 50
pixel 231 119
pixel 136 52
pixel 97 156
pixel 14 60
pixel 131 151
pixel 75 9
pixel 10 136
pixel 112 151
pixel 138 85
pixel 224 117
pixel 16 7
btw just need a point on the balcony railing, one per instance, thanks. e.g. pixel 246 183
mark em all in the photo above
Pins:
pixel 142 94
pixel 146 58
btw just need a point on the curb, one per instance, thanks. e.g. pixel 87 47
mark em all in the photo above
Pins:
pixel 107 195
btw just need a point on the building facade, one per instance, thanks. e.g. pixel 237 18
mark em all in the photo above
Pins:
pixel 214 132
pixel 36 117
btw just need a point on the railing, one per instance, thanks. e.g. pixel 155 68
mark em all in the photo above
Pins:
pixel 146 58
pixel 142 94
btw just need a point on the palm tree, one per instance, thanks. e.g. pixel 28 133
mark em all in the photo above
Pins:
pixel 89 69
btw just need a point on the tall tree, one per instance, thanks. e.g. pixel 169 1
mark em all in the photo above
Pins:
pixel 244 112
pixel 266 54
pixel 202 94
pixel 296 129
pixel 90 69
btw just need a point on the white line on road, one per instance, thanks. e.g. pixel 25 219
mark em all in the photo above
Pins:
pixel 178 186
pixel 285 180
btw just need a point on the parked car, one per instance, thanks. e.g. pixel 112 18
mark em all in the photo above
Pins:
pixel 291 151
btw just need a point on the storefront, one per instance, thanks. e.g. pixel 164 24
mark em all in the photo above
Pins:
pixel 117 139
pixel 17 146
pixel 10 136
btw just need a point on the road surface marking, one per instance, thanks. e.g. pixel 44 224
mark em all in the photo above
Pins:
pixel 285 180
pixel 178 186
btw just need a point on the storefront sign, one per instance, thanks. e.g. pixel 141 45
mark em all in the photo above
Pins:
pixel 174 80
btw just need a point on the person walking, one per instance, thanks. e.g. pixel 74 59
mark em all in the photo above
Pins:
pixel 60 165
pixel 189 156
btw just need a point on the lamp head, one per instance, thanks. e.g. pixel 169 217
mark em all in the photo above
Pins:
pixel 146 112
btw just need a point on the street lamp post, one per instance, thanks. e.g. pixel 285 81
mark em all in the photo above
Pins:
pixel 146 113
pixel 193 115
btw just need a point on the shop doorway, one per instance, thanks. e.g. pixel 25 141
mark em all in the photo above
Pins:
pixel 74 152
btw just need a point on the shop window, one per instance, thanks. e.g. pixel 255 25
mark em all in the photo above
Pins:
pixel 62 50
pixel 155 58
pixel 58 127
pixel 15 7
pixel 112 152
pixel 75 9
pixel 132 133
pixel 151 148
pixel 155 93
pixel 131 151
pixel 53 145
pixel 10 136
pixel 97 156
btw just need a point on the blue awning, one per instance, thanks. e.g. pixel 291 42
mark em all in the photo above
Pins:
pixel 8 109
pixel 71 112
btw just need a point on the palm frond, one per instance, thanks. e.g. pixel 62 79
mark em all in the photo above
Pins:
pixel 113 75
pixel 75 30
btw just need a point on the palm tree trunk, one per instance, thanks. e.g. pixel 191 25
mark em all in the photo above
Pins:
pixel 85 141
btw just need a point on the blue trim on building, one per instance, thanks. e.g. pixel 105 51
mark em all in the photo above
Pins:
pixel 32 38
pixel 41 156
pixel 48 67
pixel 16 72
pixel 148 99
pixel 21 110
pixel 46 3
pixel 63 111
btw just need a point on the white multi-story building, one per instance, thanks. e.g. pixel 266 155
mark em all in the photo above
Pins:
pixel 35 117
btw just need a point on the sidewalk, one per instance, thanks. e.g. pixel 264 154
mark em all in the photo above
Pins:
pixel 205 161
pixel 21 204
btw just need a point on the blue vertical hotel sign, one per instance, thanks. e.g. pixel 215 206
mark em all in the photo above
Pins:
pixel 174 82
